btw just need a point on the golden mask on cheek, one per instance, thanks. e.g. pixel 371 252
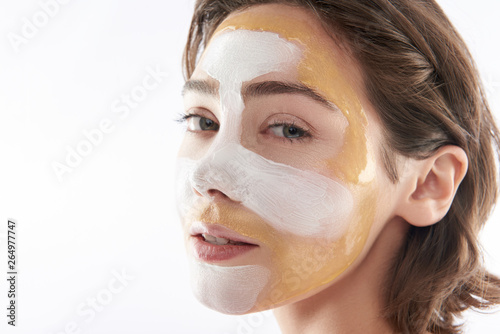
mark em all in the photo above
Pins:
pixel 276 174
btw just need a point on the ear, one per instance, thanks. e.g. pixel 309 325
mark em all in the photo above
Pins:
pixel 431 185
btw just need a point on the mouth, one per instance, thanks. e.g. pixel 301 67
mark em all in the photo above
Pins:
pixel 220 241
pixel 216 243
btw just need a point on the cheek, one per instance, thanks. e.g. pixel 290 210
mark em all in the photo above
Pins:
pixel 355 164
pixel 193 148
pixel 300 265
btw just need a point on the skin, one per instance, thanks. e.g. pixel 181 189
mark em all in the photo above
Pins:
pixel 344 143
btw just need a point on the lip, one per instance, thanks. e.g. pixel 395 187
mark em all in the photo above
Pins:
pixel 208 252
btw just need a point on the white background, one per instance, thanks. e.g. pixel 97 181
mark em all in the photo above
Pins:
pixel 114 212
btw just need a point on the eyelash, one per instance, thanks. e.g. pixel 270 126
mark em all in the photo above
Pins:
pixel 307 134
pixel 182 118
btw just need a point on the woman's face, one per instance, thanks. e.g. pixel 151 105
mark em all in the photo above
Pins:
pixel 279 175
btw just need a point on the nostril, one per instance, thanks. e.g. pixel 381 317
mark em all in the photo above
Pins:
pixel 213 193
pixel 216 193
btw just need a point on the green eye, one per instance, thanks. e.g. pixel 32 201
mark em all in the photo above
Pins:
pixel 288 131
pixel 207 124
pixel 292 132
pixel 200 123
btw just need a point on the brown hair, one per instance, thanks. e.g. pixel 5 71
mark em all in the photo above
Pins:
pixel 421 79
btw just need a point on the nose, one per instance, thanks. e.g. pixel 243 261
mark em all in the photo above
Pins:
pixel 218 175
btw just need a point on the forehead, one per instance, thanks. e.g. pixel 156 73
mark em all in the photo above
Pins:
pixel 247 54
pixel 322 65
pixel 292 23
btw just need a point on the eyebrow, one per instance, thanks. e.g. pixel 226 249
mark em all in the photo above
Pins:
pixel 201 87
pixel 257 89
pixel 279 87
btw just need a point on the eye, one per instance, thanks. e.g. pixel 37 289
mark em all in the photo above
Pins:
pixel 289 131
pixel 200 123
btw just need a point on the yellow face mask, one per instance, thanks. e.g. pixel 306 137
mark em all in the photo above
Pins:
pixel 252 205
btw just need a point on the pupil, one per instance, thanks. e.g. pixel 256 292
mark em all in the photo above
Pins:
pixel 292 131
pixel 206 123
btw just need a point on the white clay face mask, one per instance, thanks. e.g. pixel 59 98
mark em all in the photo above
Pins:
pixel 231 290
pixel 321 207
pixel 301 220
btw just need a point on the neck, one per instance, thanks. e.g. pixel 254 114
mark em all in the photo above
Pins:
pixel 355 302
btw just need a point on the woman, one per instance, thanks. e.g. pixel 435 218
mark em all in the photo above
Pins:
pixel 337 166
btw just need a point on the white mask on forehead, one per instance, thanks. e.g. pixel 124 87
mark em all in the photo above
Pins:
pixel 300 202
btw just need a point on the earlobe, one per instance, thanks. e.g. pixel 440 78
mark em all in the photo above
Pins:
pixel 432 185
